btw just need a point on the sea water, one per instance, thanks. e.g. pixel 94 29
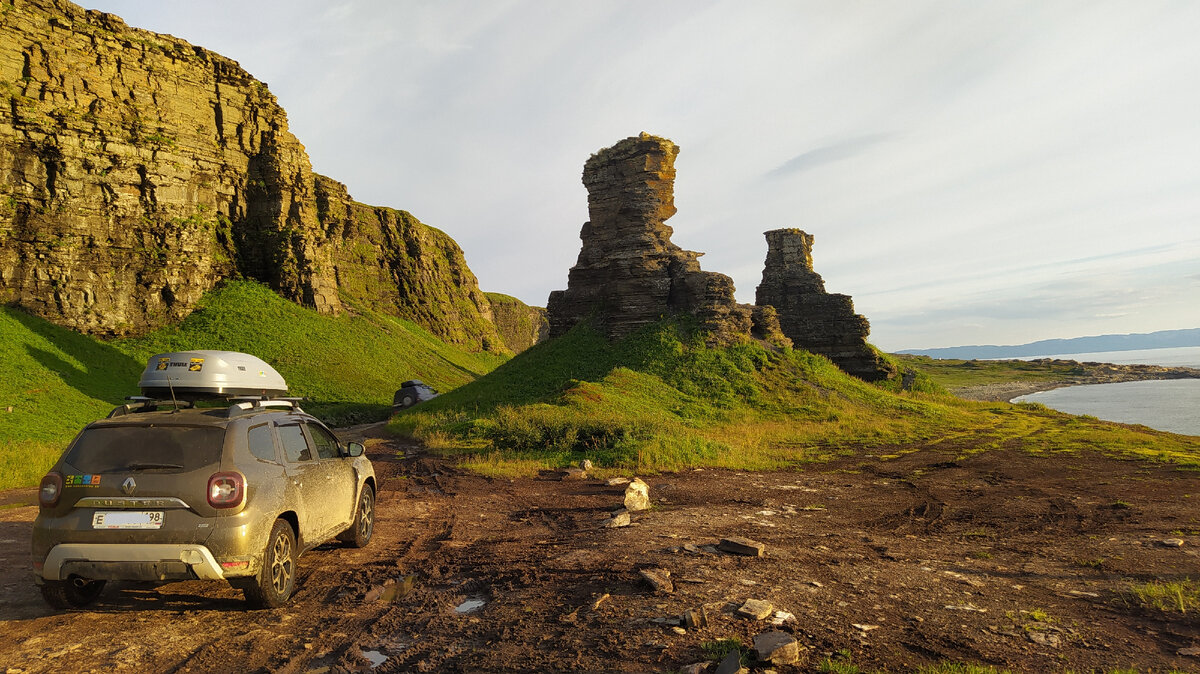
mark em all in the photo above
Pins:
pixel 1168 405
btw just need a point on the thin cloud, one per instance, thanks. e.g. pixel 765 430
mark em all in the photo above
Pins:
pixel 826 154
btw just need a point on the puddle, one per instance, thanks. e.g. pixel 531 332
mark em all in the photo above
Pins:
pixel 469 606
pixel 392 591
pixel 375 657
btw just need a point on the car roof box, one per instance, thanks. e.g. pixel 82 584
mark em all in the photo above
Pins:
pixel 195 375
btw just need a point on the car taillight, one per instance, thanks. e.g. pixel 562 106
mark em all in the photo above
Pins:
pixel 225 490
pixel 50 490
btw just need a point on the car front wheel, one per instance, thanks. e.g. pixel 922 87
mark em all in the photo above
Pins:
pixel 74 592
pixel 276 580
pixel 364 520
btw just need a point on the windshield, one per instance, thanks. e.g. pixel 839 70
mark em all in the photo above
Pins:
pixel 111 449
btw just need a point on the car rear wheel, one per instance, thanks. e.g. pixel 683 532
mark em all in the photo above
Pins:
pixel 74 592
pixel 408 401
pixel 359 533
pixel 276 580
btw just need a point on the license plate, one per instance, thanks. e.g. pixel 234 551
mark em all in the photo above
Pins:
pixel 127 519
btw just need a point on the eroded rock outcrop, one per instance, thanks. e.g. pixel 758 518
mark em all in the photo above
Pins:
pixel 137 171
pixel 520 325
pixel 813 319
pixel 629 273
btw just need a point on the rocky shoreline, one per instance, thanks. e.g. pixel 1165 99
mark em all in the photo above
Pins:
pixel 1092 373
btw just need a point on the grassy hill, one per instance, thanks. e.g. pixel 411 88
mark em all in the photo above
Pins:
pixel 56 380
pixel 662 400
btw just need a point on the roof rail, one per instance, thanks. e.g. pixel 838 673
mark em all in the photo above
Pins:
pixel 250 405
pixel 144 404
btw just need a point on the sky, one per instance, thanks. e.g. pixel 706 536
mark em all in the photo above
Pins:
pixel 973 172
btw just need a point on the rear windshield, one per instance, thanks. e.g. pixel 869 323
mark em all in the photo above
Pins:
pixel 111 449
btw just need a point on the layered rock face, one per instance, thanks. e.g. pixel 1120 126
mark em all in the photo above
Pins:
pixel 629 273
pixel 137 171
pixel 815 320
pixel 520 325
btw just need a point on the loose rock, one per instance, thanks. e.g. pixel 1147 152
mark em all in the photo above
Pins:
pixel 732 664
pixel 616 481
pixel 659 579
pixel 1171 543
pixel 755 609
pixel 573 474
pixel 694 668
pixel 586 464
pixel 617 521
pixel 695 618
pixel 779 648
pixel 742 546
pixel 637 495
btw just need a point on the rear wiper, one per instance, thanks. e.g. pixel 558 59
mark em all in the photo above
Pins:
pixel 152 466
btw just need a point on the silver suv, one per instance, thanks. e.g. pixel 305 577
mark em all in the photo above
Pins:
pixel 165 491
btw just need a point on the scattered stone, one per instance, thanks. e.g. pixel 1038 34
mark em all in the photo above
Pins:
pixel 637 495
pixel 777 648
pixel 573 474
pixel 616 481
pixel 678 630
pixel 1080 593
pixel 619 520
pixel 659 579
pixel 1191 652
pixel 742 546
pixel 695 618
pixel 755 609
pixel 586 464
pixel 781 617
pixel 1043 638
pixel 688 547
pixel 815 583
pixel 694 668
pixel 732 664
pixel 600 600
pixel 747 581
pixel 864 627
pixel 1171 543
pixel 965 607
pixel 710 549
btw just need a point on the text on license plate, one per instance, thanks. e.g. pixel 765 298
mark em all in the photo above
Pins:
pixel 127 519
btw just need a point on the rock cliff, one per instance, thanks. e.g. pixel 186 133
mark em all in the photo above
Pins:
pixel 815 320
pixel 520 325
pixel 629 273
pixel 137 171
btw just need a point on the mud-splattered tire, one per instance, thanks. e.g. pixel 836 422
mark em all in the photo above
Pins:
pixel 74 592
pixel 359 533
pixel 276 581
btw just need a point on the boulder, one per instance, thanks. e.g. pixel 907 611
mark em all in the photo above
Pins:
pixel 637 495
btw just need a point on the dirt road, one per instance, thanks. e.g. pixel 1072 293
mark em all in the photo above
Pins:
pixel 1001 558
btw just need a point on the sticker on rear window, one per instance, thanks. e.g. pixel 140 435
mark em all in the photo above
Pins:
pixel 81 481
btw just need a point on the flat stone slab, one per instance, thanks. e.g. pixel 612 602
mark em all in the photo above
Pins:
pixel 742 546
pixel 755 609
pixel 659 579
pixel 777 648
pixel 617 521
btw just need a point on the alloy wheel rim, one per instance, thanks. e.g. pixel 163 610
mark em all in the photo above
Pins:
pixel 368 515
pixel 281 564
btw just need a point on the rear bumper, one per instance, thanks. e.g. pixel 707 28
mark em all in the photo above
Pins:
pixel 100 561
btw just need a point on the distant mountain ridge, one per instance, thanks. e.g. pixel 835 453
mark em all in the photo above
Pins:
pixel 1162 339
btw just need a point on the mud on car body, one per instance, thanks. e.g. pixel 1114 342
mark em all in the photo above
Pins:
pixel 166 490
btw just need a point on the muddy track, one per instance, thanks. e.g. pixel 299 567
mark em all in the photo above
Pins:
pixel 940 558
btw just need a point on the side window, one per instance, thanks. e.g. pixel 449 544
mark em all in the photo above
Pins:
pixel 327 445
pixel 295 446
pixel 261 444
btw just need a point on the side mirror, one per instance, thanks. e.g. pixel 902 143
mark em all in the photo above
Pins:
pixel 355 449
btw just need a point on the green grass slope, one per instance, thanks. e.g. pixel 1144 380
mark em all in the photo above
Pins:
pixel 662 400
pixel 347 366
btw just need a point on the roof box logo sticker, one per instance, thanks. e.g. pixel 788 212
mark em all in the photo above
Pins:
pixel 196 365
pixel 163 363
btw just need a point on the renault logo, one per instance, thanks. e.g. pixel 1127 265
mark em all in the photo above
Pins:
pixel 128 486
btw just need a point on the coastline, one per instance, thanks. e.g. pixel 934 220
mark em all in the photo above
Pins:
pixel 1093 373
